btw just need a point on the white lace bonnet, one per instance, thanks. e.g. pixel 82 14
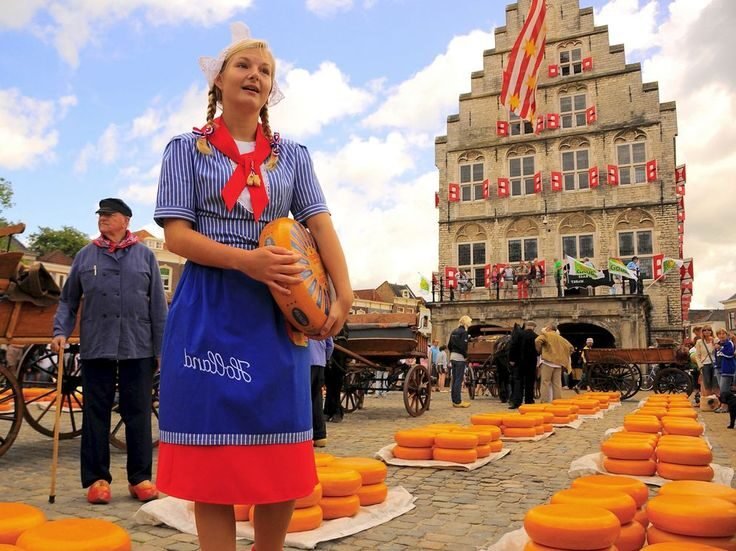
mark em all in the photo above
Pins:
pixel 211 66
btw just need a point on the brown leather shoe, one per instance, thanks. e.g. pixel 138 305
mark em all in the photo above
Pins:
pixel 99 493
pixel 143 491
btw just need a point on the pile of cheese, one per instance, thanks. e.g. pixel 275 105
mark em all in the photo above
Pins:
pixel 448 442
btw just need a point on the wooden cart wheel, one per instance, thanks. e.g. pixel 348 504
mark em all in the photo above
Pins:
pixel 117 433
pixel 470 381
pixel 417 390
pixel 672 380
pixel 11 409
pixel 612 374
pixel 352 394
pixel 38 369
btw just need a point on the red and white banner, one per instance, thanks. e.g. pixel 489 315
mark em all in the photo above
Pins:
pixel 651 171
pixel 593 177
pixel 680 190
pixel 453 192
pixel 657 266
pixel 556 181
pixel 519 88
pixel 436 199
pixel 591 115
pixel 487 276
pixel 612 175
pixel 587 63
pixel 450 277
pixel 540 125
pixel 503 187
pixel 680 176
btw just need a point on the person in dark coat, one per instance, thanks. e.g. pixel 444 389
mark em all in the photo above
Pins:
pixel 334 376
pixel 524 371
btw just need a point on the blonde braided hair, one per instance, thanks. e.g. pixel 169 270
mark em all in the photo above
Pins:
pixel 203 146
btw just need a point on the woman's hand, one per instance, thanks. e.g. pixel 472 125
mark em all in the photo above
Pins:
pixel 336 319
pixel 275 266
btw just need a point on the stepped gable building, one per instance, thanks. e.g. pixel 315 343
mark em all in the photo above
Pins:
pixel 593 176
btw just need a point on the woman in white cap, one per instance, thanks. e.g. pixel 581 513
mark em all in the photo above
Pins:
pixel 235 410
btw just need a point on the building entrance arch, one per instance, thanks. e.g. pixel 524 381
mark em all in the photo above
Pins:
pixel 577 333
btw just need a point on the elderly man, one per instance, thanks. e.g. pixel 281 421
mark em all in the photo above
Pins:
pixel 555 351
pixel 121 329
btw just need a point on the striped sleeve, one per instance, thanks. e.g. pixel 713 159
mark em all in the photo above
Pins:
pixel 308 198
pixel 176 195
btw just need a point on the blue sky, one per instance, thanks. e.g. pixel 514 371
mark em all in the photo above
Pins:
pixel 91 90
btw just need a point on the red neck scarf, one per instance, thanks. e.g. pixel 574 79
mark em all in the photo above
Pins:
pixel 128 240
pixel 248 167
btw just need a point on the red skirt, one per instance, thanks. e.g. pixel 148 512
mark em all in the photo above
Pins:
pixel 230 475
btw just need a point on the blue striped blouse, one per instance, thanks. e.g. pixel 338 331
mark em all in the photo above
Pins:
pixel 191 183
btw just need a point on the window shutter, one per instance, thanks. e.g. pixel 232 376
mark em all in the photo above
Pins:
pixel 593 177
pixel 487 275
pixel 591 115
pixel 612 175
pixel 540 124
pixel 587 63
pixel 503 187
pixel 553 70
pixel 453 192
pixel 556 181
pixel 450 277
pixel 538 182
pixel 652 171
pixel 502 128
pixel 553 121
pixel 657 266
pixel 680 174
pixel 486 191
pixel 436 199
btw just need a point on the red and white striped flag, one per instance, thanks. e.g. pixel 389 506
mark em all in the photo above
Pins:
pixel 519 89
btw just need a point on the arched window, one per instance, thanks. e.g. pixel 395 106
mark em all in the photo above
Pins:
pixel 631 156
pixel 635 237
pixel 575 162
pixel 578 236
pixel 522 240
pixel 573 103
pixel 471 175
pixel 570 55
pixel 521 170
pixel 471 252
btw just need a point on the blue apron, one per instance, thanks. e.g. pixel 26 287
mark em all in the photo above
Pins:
pixel 230 375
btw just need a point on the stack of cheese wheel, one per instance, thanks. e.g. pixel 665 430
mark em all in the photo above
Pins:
pixel 563 413
pixel 456 447
pixel 322 459
pixel 587 406
pixel 696 519
pixel 340 488
pixel 515 425
pixel 79 534
pixel 566 526
pixel 604 398
pixel 684 426
pixel 489 439
pixel 629 454
pixel 680 547
pixel 413 444
pixel 546 416
pixel 642 423
pixel 16 518
pixel 684 458
pixel 307 514
pixel 631 486
pixel 373 489
pixel 495 419
pixel 621 504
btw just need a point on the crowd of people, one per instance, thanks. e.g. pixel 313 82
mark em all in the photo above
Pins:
pixel 712 355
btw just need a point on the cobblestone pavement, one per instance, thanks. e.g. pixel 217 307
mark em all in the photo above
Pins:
pixel 454 510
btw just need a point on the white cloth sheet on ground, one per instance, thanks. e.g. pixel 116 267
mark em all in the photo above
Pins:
pixel 527 438
pixel 385 455
pixel 576 424
pixel 510 541
pixel 179 514
pixel 593 464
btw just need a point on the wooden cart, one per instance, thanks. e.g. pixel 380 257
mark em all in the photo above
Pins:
pixel 385 351
pixel 485 364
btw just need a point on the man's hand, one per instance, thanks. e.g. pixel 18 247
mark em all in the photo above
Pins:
pixel 58 343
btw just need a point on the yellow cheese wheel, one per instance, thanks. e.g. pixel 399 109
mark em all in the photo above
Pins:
pixel 242 512
pixel 539 429
pixel 635 467
pixel 308 305
pixel 372 494
pixel 493 430
pixel 562 419
pixel 698 488
pixel 339 507
pixel 631 538
pixel 372 471
pixel 484 436
pixel 588 411
pixel 483 450
pixel 583 403
pixel 337 482
pixel 8 547
pixel 15 518
pixel 683 455
pixel 455 455
pixel 532 546
pixel 487 419
pixel 75 534
pixel 635 488
pixel 562 410
pixel 689 413
pixel 668 541
pixel 415 454
pixel 305 519
pixel 414 438
pixel 642 423
pixel 706 517
pixel 673 471
pixel 495 446
pixel 456 440
pixel 519 421
pixel 311 500
pixel 690 441
pixel 618 448
pixel 650 439
pixel 641 517
pixel 322 459
pixel 619 503
pixel 511 432
pixel 441 427
pixel 657 412
pixel 548 427
pixel 529 408
pixel 684 429
pixel 569 527
pixel 538 417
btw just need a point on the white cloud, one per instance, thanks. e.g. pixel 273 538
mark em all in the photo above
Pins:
pixel 74 23
pixel 423 102
pixel 328 7
pixel 105 150
pixel 629 24
pixel 313 100
pixel 27 127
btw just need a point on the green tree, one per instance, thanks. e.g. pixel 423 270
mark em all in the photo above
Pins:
pixel 68 240
pixel 6 198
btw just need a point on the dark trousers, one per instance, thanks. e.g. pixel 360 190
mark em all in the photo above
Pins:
pixel 334 375
pixel 558 282
pixel 135 388
pixel 318 418
pixel 458 374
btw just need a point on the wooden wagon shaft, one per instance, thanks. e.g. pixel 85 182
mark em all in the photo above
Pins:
pixel 357 357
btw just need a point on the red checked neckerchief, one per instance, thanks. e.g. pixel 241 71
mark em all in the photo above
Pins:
pixel 247 170
pixel 104 243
